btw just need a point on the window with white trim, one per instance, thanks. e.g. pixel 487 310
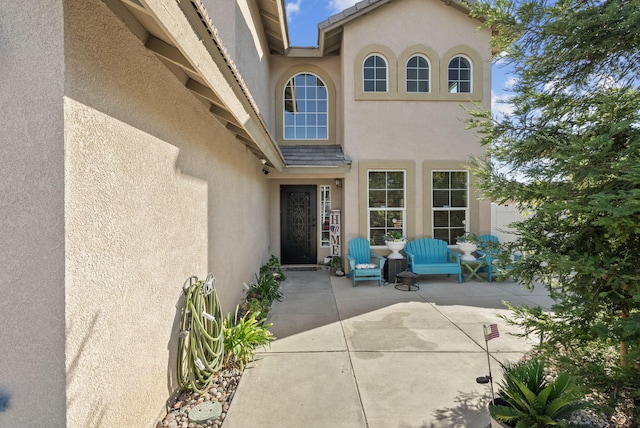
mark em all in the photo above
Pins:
pixel 460 75
pixel 325 215
pixel 306 109
pixel 386 195
pixel 418 74
pixel 450 204
pixel 374 74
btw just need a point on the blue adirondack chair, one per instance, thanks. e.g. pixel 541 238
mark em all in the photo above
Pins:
pixel 489 252
pixel 428 256
pixel 359 258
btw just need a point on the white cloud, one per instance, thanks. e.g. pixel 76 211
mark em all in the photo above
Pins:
pixel 292 8
pixel 499 105
pixel 339 5
pixel 509 83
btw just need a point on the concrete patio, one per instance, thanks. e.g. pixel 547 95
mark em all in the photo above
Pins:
pixel 379 357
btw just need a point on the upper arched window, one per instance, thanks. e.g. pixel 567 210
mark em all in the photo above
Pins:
pixel 460 75
pixel 374 73
pixel 306 109
pixel 418 74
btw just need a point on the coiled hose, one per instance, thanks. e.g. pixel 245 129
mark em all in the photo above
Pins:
pixel 201 341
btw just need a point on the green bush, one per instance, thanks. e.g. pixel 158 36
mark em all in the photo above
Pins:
pixel 273 267
pixel 534 402
pixel 266 289
pixel 242 335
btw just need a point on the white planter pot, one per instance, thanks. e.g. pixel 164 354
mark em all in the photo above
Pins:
pixel 467 248
pixel 395 247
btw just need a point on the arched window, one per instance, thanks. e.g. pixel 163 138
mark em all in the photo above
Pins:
pixel 374 73
pixel 418 74
pixel 460 75
pixel 306 109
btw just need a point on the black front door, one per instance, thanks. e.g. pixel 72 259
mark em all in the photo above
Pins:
pixel 298 224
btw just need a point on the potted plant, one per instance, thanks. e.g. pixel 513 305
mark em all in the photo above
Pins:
pixel 395 242
pixel 468 243
pixel 335 266
pixel 528 399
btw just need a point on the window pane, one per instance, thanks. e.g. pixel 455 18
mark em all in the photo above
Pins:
pixel 441 218
pixel 412 86
pixel 377 218
pixel 377 198
pixel 368 86
pixel 395 198
pixel 377 180
pixel 322 133
pixel 441 234
pixel 465 87
pixel 369 73
pixel 377 236
pixel 457 218
pixel 412 73
pixel 440 180
pixel 381 86
pixel 394 220
pixel 289 133
pixel 459 198
pixel 423 87
pixel 395 180
pixel 458 180
pixel 440 198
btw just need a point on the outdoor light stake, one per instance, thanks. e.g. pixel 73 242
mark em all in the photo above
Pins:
pixel 490 332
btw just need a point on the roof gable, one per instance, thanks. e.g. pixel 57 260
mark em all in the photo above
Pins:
pixel 330 30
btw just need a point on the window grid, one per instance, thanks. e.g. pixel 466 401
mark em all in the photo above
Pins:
pixel 417 74
pixel 386 195
pixel 374 74
pixel 460 75
pixel 450 207
pixel 306 108
pixel 325 215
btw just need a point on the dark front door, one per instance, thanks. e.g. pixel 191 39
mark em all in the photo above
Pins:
pixel 298 224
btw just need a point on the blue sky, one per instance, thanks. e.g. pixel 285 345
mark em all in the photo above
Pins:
pixel 303 17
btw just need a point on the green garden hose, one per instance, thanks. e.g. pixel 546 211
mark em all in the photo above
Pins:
pixel 200 343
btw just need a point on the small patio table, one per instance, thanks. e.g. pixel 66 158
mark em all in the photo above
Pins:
pixel 470 268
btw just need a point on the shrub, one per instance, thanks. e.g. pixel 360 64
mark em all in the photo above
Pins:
pixel 273 267
pixel 242 335
pixel 266 289
pixel 534 402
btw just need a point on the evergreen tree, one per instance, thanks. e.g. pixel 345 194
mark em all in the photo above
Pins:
pixel 569 154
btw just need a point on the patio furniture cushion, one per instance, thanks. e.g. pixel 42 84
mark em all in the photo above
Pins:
pixel 360 266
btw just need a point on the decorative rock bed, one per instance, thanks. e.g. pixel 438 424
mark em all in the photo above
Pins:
pixel 222 390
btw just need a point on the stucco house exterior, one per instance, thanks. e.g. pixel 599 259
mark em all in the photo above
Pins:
pixel 146 141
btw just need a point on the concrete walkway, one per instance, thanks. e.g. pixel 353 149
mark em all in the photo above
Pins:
pixel 378 357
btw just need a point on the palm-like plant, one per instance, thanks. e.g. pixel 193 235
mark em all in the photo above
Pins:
pixel 532 401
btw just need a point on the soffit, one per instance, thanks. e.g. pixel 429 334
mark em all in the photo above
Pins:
pixel 274 24
pixel 214 79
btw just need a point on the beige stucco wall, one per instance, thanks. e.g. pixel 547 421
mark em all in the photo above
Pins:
pixel 239 28
pixel 32 372
pixel 156 190
pixel 399 127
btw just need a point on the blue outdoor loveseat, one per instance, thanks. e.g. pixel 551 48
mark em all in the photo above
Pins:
pixel 428 256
